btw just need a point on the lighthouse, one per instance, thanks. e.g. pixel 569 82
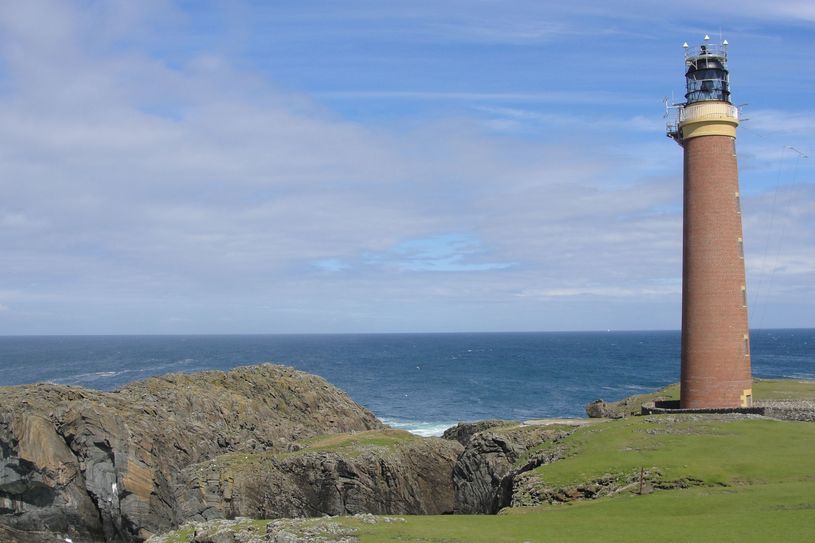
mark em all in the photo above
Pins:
pixel 715 369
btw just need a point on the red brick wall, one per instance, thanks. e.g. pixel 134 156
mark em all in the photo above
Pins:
pixel 715 366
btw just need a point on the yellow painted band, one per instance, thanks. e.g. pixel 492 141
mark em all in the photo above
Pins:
pixel 695 128
pixel 708 119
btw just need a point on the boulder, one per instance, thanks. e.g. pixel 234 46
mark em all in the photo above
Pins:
pixel 599 409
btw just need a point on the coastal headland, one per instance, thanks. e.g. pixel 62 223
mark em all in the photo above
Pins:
pixel 269 454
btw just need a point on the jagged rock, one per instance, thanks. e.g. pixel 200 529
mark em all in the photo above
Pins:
pixel 125 465
pixel 530 490
pixel 484 473
pixel 464 431
pixel 218 537
pixel 10 535
pixel 101 466
pixel 410 476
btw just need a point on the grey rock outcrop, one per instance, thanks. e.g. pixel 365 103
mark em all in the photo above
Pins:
pixel 530 490
pixel 99 466
pixel 410 475
pixel 485 472
pixel 464 431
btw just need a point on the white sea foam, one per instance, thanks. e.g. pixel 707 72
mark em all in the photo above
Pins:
pixel 424 429
pixel 635 387
pixel 803 376
pixel 79 378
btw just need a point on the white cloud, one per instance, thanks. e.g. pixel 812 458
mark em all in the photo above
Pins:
pixel 605 292
pixel 784 9
pixel 144 193
pixel 17 220
pixel 551 97
pixel 332 264
pixel 795 123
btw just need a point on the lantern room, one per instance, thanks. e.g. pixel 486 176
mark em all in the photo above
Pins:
pixel 707 78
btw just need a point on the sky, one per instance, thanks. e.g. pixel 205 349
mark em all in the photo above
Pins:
pixel 186 167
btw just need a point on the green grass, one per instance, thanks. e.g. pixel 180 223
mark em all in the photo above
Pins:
pixel 776 512
pixel 712 451
pixel 350 445
pixel 783 389
pixel 371 438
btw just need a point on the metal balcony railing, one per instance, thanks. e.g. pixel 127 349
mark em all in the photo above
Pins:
pixel 706 50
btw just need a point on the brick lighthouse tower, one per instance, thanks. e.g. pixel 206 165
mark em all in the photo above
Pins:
pixel 715 337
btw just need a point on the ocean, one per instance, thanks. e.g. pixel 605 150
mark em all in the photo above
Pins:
pixel 420 382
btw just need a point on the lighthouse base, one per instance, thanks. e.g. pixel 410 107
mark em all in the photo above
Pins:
pixel 672 407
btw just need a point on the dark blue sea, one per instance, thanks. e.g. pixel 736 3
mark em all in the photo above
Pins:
pixel 421 382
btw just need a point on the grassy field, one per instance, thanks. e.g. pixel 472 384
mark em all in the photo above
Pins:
pixel 714 452
pixel 771 513
pixel 782 389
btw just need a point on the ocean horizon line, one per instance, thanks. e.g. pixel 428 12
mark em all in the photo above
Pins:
pixel 450 333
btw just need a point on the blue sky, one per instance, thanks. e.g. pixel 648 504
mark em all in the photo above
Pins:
pixel 370 166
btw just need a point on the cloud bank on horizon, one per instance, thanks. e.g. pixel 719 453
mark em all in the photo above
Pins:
pixel 247 167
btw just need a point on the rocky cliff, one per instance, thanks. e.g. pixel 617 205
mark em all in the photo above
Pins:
pixel 380 472
pixel 495 454
pixel 100 466
pixel 260 441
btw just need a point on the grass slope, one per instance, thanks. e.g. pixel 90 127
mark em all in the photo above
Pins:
pixel 712 450
pixel 774 512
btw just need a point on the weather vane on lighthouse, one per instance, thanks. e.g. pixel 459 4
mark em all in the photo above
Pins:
pixel 715 370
